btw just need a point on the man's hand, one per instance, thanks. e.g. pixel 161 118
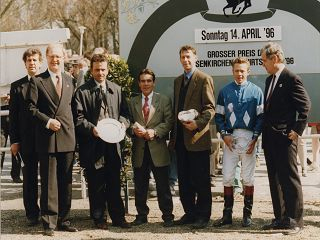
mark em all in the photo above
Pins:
pixel 15 148
pixel 293 135
pixel 149 135
pixel 251 146
pixel 95 132
pixel 139 132
pixel 54 125
pixel 228 140
pixel 190 125
pixel 171 144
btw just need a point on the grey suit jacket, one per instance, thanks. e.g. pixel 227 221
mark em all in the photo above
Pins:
pixel 86 109
pixel 161 120
pixel 200 96
pixel 44 103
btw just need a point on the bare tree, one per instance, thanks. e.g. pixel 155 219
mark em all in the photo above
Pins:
pixel 100 17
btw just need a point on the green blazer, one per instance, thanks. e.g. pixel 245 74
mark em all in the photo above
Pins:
pixel 161 120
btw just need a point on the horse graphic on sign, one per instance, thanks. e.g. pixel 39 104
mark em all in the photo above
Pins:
pixel 234 4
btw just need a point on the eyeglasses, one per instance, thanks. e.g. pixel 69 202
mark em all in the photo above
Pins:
pixel 54 56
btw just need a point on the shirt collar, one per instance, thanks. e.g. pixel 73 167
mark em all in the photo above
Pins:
pixel 281 67
pixel 242 84
pixel 53 75
pixel 189 74
pixel 149 96
pixel 103 84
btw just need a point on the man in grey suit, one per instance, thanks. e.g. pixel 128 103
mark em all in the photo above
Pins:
pixel 95 100
pixel 191 139
pixel 22 134
pixel 49 101
pixel 152 116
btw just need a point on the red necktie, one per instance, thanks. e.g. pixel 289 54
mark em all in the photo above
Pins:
pixel 146 109
pixel 58 85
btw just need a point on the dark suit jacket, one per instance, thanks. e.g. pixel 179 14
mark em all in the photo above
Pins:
pixel 289 103
pixel 200 96
pixel 44 103
pixel 86 108
pixel 22 126
pixel 161 120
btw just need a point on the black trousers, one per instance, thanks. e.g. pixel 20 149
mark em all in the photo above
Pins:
pixel 30 185
pixel 56 188
pixel 284 180
pixel 104 188
pixel 141 184
pixel 15 167
pixel 194 181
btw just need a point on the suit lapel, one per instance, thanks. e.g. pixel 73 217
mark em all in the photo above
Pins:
pixel 177 89
pixel 154 106
pixel 66 90
pixel 24 87
pixel 192 86
pixel 138 107
pixel 50 88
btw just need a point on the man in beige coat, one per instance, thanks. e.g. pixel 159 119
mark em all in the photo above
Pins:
pixel 191 140
pixel 152 119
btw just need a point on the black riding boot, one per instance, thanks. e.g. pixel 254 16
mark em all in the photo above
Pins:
pixel 227 211
pixel 247 209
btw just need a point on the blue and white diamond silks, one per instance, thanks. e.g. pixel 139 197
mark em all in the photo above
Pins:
pixel 232 119
pixel 246 118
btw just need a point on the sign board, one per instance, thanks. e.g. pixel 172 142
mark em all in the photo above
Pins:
pixel 151 33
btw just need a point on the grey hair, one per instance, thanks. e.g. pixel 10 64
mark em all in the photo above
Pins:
pixel 273 48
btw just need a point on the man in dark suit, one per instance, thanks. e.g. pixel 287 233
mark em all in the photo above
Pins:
pixel 286 109
pixel 22 134
pixel 49 100
pixel 95 100
pixel 152 119
pixel 191 139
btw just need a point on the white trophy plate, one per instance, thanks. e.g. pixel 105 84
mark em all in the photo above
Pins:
pixel 111 130
pixel 188 115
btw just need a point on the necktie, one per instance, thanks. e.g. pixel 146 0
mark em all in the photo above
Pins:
pixel 271 90
pixel 104 99
pixel 58 85
pixel 146 109
pixel 186 81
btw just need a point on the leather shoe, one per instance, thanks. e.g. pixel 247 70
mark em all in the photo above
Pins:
pixel 276 224
pixel 121 224
pixel 168 223
pixel 66 228
pixel 292 230
pixel 17 180
pixel 200 224
pixel 139 221
pixel 102 225
pixel 33 222
pixel 48 232
pixel 184 220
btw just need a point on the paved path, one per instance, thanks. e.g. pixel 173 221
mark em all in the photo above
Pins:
pixel 13 224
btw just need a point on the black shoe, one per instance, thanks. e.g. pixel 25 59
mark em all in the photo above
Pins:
pixel 48 232
pixel 168 223
pixel 184 220
pixel 121 224
pixel 17 180
pixel 246 222
pixel 67 228
pixel 292 231
pixel 276 224
pixel 33 222
pixel 101 225
pixel 139 221
pixel 200 224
